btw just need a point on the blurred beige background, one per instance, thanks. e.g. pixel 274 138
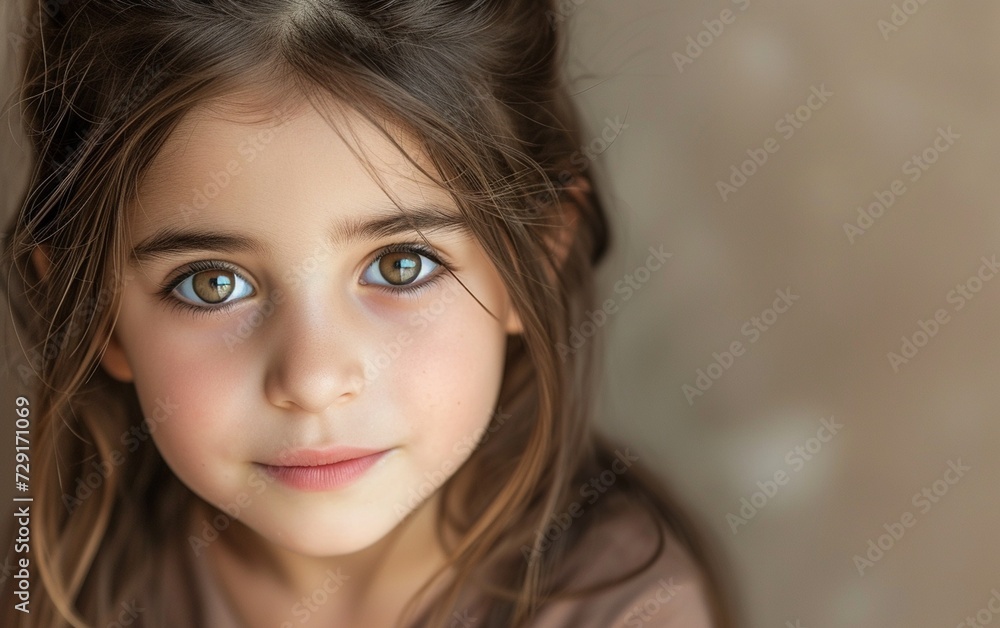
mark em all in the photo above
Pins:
pixel 867 88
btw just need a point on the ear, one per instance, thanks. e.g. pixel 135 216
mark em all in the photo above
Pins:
pixel 41 260
pixel 114 360
pixel 578 188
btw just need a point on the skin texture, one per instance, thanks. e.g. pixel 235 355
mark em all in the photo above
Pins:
pixel 312 354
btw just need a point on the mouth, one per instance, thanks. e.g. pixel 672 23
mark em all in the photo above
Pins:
pixel 323 470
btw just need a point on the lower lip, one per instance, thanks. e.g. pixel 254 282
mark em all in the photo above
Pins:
pixel 324 477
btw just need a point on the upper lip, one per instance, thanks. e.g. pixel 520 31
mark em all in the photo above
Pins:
pixel 320 457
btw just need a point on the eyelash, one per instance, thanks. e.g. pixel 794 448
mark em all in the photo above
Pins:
pixel 166 291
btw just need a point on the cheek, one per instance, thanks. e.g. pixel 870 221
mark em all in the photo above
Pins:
pixel 446 379
pixel 207 386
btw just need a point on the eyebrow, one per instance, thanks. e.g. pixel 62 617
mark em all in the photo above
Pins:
pixel 172 241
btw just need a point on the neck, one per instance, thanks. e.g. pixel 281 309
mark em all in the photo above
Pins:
pixel 371 583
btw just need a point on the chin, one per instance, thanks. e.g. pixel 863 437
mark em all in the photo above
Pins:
pixel 323 539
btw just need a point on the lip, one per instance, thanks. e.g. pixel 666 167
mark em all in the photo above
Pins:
pixel 323 470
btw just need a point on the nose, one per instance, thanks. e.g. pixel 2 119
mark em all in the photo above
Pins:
pixel 314 358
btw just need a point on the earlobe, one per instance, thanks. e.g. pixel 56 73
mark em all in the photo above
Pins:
pixel 115 362
pixel 513 325
pixel 41 260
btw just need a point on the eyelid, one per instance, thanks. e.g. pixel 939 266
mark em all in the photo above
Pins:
pixel 411 247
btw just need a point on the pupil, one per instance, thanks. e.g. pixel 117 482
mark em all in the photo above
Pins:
pixel 214 286
pixel 400 268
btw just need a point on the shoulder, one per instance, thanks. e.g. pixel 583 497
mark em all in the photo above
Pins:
pixel 669 593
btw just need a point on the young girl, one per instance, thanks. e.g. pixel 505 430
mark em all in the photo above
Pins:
pixel 296 282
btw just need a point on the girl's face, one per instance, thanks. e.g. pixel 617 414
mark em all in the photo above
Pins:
pixel 304 360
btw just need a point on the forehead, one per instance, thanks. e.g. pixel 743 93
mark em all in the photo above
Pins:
pixel 249 147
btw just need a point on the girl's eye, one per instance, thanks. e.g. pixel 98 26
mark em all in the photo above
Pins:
pixel 400 268
pixel 212 287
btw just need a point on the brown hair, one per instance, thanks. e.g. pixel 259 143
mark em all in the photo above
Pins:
pixel 479 84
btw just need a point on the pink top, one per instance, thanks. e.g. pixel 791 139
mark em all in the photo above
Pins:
pixel 669 594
